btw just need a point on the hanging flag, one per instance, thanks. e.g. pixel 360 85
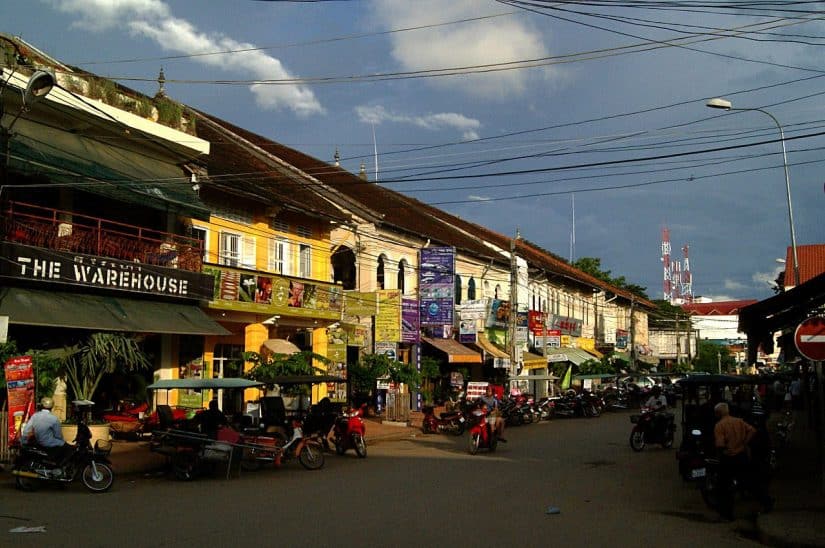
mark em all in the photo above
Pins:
pixel 567 378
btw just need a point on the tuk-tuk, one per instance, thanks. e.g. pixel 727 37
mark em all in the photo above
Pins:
pixel 700 394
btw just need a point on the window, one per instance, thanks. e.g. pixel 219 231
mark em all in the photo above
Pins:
pixel 471 289
pixel 230 252
pixel 457 289
pixel 279 225
pixel 237 250
pixel 402 264
pixel 305 265
pixel 200 233
pixel 496 295
pixel 379 273
pixel 303 231
pixel 279 256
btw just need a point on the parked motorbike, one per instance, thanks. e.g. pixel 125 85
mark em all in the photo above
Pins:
pixel 273 448
pixel 90 464
pixel 545 408
pixel 482 435
pixel 349 432
pixel 452 422
pixel 652 427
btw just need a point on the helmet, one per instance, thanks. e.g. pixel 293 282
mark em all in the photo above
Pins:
pixel 46 402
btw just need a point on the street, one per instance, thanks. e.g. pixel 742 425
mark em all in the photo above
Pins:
pixel 423 492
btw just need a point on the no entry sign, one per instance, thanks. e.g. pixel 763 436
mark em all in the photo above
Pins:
pixel 810 338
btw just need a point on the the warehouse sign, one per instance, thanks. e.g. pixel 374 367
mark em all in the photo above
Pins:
pixel 46 265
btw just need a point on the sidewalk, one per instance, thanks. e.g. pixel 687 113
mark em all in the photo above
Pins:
pixel 798 520
pixel 134 457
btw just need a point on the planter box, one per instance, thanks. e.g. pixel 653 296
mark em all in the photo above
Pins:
pixel 99 432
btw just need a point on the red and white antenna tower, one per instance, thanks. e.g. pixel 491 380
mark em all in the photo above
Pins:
pixel 667 286
pixel 687 278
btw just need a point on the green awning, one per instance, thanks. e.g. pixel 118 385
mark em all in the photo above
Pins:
pixel 576 356
pixel 204 384
pixel 103 313
pixel 102 170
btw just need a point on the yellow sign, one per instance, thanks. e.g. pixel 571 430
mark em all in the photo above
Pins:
pixel 565 340
pixel 357 303
pixel 388 320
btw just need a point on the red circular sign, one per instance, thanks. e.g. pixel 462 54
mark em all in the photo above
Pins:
pixel 810 338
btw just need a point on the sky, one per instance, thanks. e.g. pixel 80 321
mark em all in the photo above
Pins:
pixel 566 122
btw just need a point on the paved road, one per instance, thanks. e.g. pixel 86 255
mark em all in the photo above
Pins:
pixel 424 492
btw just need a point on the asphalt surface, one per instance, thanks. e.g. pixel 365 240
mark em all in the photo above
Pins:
pixel 423 492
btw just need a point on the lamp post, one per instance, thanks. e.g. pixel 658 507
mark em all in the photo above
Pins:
pixel 724 104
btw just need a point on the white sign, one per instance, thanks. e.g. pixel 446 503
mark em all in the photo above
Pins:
pixel 4 329
pixel 473 310
pixel 476 389
pixel 557 358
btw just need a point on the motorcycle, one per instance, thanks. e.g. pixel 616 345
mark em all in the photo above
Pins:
pixel 90 464
pixel 545 408
pixel 451 422
pixel 349 432
pixel 482 435
pixel 273 449
pixel 652 427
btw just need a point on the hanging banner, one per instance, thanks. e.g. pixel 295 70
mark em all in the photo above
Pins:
pixel 473 310
pixel 410 327
pixel 499 316
pixel 359 303
pixel 436 285
pixel 20 387
pixel 565 324
pixel 388 320
pixel 467 331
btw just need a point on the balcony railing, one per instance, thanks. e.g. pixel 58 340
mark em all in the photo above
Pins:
pixel 66 231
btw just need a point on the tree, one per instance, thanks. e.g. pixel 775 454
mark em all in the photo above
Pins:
pixel 597 367
pixel 364 375
pixel 87 362
pixel 709 356
pixel 430 372
pixel 267 368
pixel 593 266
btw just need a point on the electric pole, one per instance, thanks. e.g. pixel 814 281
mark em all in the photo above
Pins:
pixel 513 318
pixel 632 334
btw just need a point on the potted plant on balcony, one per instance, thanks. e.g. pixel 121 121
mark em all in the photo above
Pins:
pixel 87 362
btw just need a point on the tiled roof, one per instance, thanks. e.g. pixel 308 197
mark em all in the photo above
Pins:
pixel 811 263
pixel 722 308
pixel 235 167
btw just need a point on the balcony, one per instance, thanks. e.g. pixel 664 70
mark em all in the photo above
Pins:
pixel 72 233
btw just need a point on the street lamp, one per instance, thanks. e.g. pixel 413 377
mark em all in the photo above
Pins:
pixel 724 104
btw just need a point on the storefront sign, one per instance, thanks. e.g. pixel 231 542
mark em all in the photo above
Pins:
pixel 621 338
pixel 358 303
pixel 356 334
pixel 566 324
pixel 20 389
pixel 59 267
pixel 410 326
pixel 272 294
pixel 388 320
pixel 467 331
pixel 473 310
pixel 387 349
pixel 436 285
pixel 499 316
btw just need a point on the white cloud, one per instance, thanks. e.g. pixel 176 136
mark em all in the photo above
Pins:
pixel 477 198
pixel 485 42
pixel 767 278
pixel 434 122
pixel 154 20
pixel 734 285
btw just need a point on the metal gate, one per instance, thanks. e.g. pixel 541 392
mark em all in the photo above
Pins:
pixel 398 407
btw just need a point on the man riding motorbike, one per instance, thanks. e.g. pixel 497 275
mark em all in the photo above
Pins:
pixel 494 414
pixel 43 428
pixel 657 403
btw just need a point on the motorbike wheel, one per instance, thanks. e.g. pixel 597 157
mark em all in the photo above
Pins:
pixel 25 484
pixel 183 466
pixel 474 441
pixel 637 440
pixel 493 442
pixel 97 478
pixel 549 413
pixel 360 445
pixel 425 427
pixel 710 490
pixel 249 462
pixel 312 456
pixel 595 411
pixel 458 429
pixel 340 448
pixel 527 418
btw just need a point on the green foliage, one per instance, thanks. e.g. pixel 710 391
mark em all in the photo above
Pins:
pixel 86 363
pixel 169 112
pixel 266 368
pixel 47 367
pixel 94 89
pixel 593 266
pixel 709 355
pixel 596 367
pixel 363 375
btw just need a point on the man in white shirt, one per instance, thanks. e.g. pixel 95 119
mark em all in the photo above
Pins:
pixel 45 430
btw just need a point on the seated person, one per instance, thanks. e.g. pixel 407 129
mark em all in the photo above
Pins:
pixel 43 428
pixel 212 419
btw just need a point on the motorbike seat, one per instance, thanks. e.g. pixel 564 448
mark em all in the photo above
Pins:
pixel 449 415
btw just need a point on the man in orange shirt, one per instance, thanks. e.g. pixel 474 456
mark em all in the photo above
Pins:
pixel 732 436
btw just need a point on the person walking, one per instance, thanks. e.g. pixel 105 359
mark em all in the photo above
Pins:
pixel 732 436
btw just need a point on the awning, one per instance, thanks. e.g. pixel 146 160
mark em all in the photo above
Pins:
pixel 534 378
pixel 533 361
pixel 456 352
pixel 576 356
pixel 280 346
pixel 485 344
pixel 594 352
pixel 103 313
pixel 204 384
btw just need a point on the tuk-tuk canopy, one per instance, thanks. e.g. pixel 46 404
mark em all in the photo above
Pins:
pixel 203 384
